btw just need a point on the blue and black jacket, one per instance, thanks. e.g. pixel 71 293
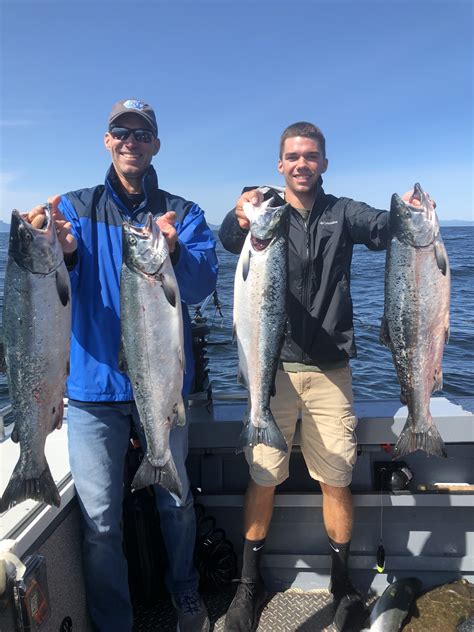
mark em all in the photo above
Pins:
pixel 97 215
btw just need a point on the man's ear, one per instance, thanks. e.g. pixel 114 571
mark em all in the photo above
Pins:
pixel 107 140
pixel 157 143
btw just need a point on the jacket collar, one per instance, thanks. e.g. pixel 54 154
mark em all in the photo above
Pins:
pixel 152 194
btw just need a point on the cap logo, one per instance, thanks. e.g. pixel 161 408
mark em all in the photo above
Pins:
pixel 134 105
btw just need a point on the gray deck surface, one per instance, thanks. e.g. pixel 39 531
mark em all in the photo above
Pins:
pixel 289 611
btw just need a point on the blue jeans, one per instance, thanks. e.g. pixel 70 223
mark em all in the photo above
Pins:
pixel 98 437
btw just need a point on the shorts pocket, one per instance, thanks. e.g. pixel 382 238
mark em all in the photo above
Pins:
pixel 349 423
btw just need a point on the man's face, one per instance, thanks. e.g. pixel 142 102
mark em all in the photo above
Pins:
pixel 301 164
pixel 130 157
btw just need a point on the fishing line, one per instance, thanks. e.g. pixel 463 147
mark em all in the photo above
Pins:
pixel 381 551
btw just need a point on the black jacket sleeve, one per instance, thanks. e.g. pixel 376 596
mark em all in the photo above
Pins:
pixel 367 225
pixel 230 233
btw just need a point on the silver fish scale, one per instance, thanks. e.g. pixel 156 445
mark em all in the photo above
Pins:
pixel 416 311
pixel 259 319
pixel 152 334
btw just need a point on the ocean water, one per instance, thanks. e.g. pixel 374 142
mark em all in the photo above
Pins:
pixel 373 372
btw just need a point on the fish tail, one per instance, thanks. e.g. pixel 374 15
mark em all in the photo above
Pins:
pixel 166 475
pixel 20 488
pixel 268 434
pixel 428 440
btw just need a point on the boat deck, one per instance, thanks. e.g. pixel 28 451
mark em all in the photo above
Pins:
pixel 289 611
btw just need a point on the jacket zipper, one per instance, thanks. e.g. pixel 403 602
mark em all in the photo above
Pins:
pixel 306 280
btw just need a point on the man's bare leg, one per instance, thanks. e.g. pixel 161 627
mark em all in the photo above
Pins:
pixel 338 514
pixel 338 519
pixel 251 594
pixel 258 510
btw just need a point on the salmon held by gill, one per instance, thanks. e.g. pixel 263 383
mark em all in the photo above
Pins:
pixel 36 328
pixel 260 318
pixel 416 316
pixel 152 351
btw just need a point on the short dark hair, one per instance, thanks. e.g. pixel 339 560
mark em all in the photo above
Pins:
pixel 307 130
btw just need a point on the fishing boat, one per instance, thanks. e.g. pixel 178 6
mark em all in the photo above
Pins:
pixel 424 520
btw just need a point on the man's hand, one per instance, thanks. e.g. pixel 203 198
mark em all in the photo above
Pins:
pixel 166 224
pixel 37 216
pixel 255 198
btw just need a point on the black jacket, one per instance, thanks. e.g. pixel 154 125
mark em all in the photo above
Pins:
pixel 321 329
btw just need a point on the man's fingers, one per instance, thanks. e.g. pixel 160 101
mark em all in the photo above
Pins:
pixel 54 200
pixel 169 217
pixel 37 221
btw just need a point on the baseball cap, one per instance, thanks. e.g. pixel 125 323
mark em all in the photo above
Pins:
pixel 134 106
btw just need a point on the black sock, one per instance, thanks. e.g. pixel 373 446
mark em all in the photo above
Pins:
pixel 339 560
pixel 251 558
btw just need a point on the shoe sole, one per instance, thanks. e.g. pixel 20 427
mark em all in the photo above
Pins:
pixel 178 629
pixel 258 611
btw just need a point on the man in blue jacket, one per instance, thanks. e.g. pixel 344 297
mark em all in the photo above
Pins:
pixel 101 407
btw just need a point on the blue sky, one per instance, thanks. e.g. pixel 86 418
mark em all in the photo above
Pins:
pixel 389 83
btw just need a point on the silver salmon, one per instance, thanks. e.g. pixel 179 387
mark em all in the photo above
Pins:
pixel 260 317
pixel 152 347
pixel 415 325
pixel 37 327
pixel 394 605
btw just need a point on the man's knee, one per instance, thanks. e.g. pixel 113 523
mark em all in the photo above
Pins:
pixel 255 489
pixel 336 493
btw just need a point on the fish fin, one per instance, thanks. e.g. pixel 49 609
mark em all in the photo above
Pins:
pixel 182 359
pixel 169 288
pixel 42 489
pixel 180 413
pixel 58 415
pixel 403 398
pixel 438 380
pixel 166 476
pixel 269 434
pixel 384 333
pixel 15 437
pixel 242 379
pixel 122 360
pixel 3 359
pixel 273 389
pixel 447 333
pixel 246 264
pixel 441 257
pixel 428 440
pixel 62 285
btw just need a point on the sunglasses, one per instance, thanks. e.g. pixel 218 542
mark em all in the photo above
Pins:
pixel 140 135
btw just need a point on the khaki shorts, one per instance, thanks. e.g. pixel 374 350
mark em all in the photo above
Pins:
pixel 323 402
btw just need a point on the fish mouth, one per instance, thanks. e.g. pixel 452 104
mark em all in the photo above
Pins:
pixel 260 244
pixel 19 219
pixel 147 231
pixel 415 220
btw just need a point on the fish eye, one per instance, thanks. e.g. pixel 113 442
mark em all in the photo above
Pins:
pixel 132 240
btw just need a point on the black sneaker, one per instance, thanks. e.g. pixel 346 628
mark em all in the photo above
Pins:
pixel 246 607
pixel 191 612
pixel 351 612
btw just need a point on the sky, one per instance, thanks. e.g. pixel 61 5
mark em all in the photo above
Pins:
pixel 389 82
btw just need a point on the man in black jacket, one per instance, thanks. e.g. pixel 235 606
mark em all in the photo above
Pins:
pixel 314 377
